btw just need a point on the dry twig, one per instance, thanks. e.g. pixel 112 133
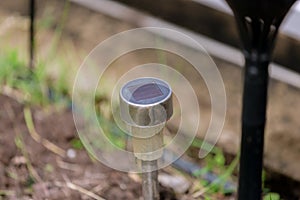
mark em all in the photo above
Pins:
pixel 83 191
pixel 78 188
pixel 33 133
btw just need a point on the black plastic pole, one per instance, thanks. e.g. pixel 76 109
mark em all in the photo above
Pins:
pixel 31 34
pixel 253 124
pixel 258 22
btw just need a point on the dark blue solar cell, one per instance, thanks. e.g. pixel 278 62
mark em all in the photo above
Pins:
pixel 146 91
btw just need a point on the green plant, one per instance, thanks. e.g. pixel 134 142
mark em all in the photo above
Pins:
pixel 272 196
pixel 12 68
pixel 58 31
pixel 36 86
pixel 76 143
pixel 114 134
pixel 15 74
pixel 215 161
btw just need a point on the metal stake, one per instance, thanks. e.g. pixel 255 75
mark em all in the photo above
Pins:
pixel 150 180
pixel 32 34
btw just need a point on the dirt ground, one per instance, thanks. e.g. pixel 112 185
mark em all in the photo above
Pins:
pixel 82 34
pixel 52 176
pixel 41 163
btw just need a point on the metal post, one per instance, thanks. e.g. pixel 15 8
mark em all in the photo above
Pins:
pixel 150 180
pixel 31 34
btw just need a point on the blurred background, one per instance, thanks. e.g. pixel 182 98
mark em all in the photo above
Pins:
pixel 41 156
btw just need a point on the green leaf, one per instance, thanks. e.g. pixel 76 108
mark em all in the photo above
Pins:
pixel 220 159
pixel 272 196
pixel 76 143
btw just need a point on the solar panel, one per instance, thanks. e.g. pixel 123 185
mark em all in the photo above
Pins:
pixel 145 91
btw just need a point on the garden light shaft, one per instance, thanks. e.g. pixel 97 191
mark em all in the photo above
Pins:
pixel 145 107
pixel 258 22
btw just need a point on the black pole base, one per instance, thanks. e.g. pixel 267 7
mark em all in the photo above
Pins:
pixel 253 124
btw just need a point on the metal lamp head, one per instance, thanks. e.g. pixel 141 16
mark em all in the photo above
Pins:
pixel 146 102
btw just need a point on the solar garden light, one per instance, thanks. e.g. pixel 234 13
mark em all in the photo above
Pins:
pixel 258 22
pixel 145 106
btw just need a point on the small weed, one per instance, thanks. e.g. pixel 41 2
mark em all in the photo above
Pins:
pixel 37 87
pixel 215 162
pixel 272 196
pixel 76 143
pixel 113 132
pixel 215 159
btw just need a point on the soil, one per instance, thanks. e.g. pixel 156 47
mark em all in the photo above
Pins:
pixel 31 169
pixel 54 172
